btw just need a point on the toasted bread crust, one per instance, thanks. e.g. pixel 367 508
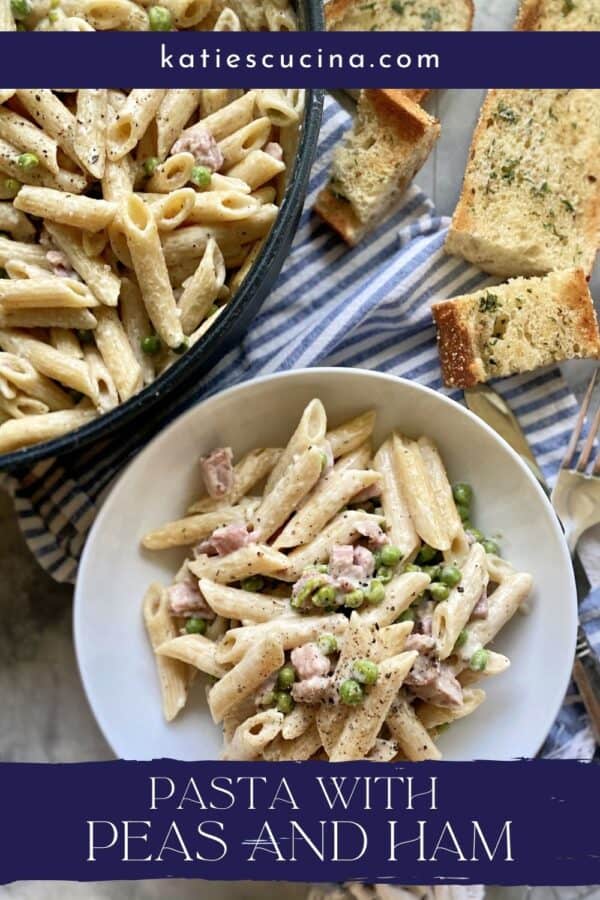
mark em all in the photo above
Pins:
pixel 397 111
pixel 577 296
pixel 528 17
pixel 455 347
pixel 339 215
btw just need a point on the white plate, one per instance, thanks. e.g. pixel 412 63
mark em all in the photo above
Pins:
pixel 115 660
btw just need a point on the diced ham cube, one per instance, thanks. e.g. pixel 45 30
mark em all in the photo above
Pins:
pixel 198 141
pixel 481 608
pixel 185 599
pixel 373 533
pixel 434 682
pixel 312 690
pixel 217 472
pixel 364 559
pixel 225 540
pixel 423 643
pixel 308 661
pixel 348 565
pixel 61 267
pixel 274 149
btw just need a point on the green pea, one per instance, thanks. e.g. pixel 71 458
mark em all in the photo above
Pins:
pixel 407 616
pixel 450 575
pixel 285 703
pixel 151 344
pixel 195 626
pixel 28 161
pixel 490 546
pixel 384 574
pixel 201 176
pixel 323 568
pixel 325 596
pixel 439 591
pixel 351 692
pixel 476 534
pixel 12 186
pixel 463 511
pixel 327 644
pixel 426 554
pixel 182 347
pixel 254 584
pixel 479 660
pixel 462 493
pixel 412 567
pixel 461 640
pixel 286 677
pixel 376 592
pixel 20 8
pixel 304 593
pixel 432 571
pixel 269 699
pixel 365 671
pixel 354 599
pixel 390 555
pixel 150 165
pixel 160 18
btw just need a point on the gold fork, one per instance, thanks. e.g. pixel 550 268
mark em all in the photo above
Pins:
pixel 576 494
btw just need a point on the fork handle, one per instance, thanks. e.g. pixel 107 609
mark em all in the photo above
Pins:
pixel 584 680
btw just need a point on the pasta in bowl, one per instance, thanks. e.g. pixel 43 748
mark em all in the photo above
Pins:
pixel 140 231
pixel 332 586
pixel 337 593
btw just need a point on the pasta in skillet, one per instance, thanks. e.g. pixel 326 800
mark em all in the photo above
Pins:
pixel 131 15
pixel 340 600
pixel 128 220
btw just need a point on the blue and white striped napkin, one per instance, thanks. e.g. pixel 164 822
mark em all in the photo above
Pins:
pixel 366 307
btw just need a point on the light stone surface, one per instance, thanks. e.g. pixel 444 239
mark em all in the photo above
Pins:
pixel 44 713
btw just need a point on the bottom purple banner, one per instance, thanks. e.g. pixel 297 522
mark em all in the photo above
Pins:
pixel 522 822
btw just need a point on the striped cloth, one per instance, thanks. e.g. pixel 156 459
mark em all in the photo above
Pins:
pixel 367 307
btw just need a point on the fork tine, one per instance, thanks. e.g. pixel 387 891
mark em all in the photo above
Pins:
pixel 566 463
pixel 589 443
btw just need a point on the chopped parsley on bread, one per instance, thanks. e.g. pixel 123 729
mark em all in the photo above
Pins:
pixel 516 327
pixel 559 15
pixel 530 200
pixel 399 15
pixel 376 161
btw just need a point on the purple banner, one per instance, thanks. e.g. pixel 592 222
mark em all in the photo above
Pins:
pixel 335 60
pixel 527 822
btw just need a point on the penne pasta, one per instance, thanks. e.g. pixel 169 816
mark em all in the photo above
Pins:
pixel 172 673
pixel 243 679
pixel 150 269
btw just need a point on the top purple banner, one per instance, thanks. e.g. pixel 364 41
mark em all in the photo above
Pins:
pixel 299 59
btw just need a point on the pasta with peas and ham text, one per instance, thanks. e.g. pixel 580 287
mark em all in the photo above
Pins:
pixel 339 598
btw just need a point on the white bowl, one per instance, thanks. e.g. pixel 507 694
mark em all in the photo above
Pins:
pixel 114 656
